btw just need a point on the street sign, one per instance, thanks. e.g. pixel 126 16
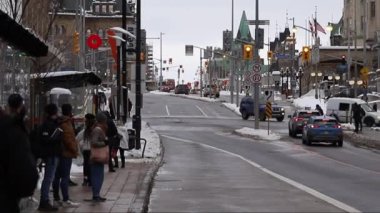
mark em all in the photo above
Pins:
pixel 189 50
pixel 256 67
pixel 260 22
pixel 256 77
pixel 268 109
pixel 282 56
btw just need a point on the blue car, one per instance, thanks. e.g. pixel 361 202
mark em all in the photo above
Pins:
pixel 247 105
pixel 322 129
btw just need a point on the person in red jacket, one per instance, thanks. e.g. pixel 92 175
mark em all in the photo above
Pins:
pixel 69 151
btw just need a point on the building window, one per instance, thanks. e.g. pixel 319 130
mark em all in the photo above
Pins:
pixel 97 8
pixel 373 9
pixel 104 8
pixel 101 34
pixel 362 22
pixel 111 8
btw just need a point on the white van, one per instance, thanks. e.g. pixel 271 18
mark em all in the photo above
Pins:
pixel 341 108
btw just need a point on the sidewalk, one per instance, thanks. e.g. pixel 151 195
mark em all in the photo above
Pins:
pixel 127 189
pixel 367 138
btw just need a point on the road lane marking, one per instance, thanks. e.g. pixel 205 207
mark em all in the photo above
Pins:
pixel 204 114
pixel 167 110
pixel 311 191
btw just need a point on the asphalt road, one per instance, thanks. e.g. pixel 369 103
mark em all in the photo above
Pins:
pixel 208 168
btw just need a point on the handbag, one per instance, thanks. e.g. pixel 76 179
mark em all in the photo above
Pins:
pixel 99 154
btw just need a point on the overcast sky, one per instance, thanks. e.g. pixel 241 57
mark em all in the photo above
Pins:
pixel 201 23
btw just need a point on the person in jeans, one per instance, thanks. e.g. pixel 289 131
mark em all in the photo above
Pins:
pixel 51 137
pixel 86 147
pixel 70 151
pixel 98 138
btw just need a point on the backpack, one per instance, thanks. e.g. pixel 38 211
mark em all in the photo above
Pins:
pixel 36 145
pixel 40 140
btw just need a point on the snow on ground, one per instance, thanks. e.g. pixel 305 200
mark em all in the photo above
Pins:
pixel 309 100
pixel 259 134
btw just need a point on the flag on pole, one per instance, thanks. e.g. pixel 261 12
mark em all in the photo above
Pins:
pixel 318 27
pixel 311 28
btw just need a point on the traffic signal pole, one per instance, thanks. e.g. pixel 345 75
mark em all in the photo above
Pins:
pixel 257 60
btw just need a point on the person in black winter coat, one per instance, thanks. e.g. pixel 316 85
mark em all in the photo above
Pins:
pixel 18 170
pixel 319 108
pixel 113 142
pixel 357 114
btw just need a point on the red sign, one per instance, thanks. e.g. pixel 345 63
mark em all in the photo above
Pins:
pixel 94 41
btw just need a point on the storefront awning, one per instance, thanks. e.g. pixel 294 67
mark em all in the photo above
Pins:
pixel 17 36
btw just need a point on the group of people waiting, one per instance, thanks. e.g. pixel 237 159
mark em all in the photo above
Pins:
pixel 56 143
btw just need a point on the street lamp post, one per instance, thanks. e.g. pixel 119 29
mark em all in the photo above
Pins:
pixel 287 81
pixel 300 74
pixel 160 80
pixel 282 79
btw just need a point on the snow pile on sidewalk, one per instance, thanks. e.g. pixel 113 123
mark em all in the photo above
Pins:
pixel 232 107
pixel 153 147
pixel 260 134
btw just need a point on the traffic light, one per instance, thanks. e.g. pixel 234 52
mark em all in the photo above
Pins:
pixel 247 52
pixel 306 53
pixel 270 54
pixel 76 46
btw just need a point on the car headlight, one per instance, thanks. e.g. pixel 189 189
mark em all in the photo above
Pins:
pixel 378 117
pixel 282 109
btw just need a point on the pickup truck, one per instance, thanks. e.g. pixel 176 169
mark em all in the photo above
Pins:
pixel 246 110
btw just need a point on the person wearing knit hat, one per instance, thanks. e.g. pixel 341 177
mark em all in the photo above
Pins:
pixel 98 140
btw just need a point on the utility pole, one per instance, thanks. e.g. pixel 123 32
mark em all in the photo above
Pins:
pixel 160 80
pixel 257 60
pixel 355 46
pixel 124 62
pixel 139 100
pixel 232 73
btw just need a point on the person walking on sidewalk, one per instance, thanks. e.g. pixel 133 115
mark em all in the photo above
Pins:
pixel 18 169
pixel 97 138
pixel 51 140
pixel 70 151
pixel 84 139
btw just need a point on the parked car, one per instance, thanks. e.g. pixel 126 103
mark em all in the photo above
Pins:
pixel 246 110
pixel 212 91
pixel 322 129
pixel 298 119
pixel 182 89
pixel 341 109
pixel 165 89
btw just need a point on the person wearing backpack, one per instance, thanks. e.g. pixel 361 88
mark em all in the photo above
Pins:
pixel 18 171
pixel 51 140
pixel 69 151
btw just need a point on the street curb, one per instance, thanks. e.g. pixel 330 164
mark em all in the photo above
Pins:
pixel 149 178
pixel 360 140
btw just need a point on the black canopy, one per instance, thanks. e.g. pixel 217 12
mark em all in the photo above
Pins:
pixel 65 79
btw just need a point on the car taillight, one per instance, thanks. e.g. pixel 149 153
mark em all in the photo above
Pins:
pixel 297 119
pixel 337 126
pixel 314 126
